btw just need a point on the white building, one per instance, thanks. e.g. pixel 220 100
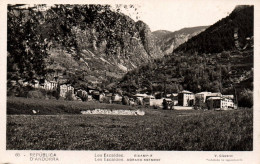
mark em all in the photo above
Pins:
pixel 116 97
pixel 186 98
pixel 50 85
pixel 228 96
pixel 64 89
pixel 203 95
pixel 220 103
pixel 140 96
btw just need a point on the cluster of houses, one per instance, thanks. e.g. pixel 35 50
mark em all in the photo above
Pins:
pixel 183 100
pixel 186 100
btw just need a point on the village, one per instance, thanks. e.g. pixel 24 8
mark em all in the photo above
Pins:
pixel 184 100
pixel 102 77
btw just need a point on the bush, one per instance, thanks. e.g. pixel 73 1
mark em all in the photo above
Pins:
pixel 84 98
pixel 125 100
pixel 158 96
pixel 165 104
pixel 56 94
pixel 199 103
pixel 106 100
pixel 69 96
pixel 23 91
pixel 35 94
pixel 246 98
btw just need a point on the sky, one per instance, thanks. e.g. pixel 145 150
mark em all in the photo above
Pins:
pixel 173 15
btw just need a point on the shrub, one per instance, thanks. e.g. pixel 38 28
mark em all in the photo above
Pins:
pixel 23 91
pixel 56 94
pixel 158 96
pixel 246 98
pixel 69 96
pixel 199 103
pixel 106 100
pixel 125 100
pixel 35 94
pixel 165 104
pixel 84 98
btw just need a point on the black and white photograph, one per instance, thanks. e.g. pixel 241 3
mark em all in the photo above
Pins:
pixel 158 76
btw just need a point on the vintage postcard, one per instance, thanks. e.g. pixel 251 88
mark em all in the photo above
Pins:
pixel 129 81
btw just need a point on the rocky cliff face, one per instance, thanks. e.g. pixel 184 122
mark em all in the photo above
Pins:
pixel 148 40
pixel 111 45
pixel 168 41
pixel 218 59
pixel 93 43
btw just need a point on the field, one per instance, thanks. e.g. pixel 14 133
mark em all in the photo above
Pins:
pixel 156 130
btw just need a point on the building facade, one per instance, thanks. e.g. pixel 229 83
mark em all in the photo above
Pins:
pixel 220 103
pixel 186 98
pixel 64 89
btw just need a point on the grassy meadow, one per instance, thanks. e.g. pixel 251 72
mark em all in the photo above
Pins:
pixel 19 105
pixel 64 129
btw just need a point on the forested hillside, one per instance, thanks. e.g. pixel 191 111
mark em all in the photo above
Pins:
pixel 223 71
pixel 168 41
pixel 216 73
pixel 82 43
pixel 230 33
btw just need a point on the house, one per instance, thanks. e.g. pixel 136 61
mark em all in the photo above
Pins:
pixel 147 101
pixel 35 84
pixel 116 98
pixel 168 95
pixel 156 103
pixel 51 85
pixel 217 94
pixel 12 82
pixel 90 98
pixel 102 97
pixel 174 97
pixel 220 103
pixel 144 99
pixel 64 89
pixel 140 96
pixel 228 96
pixel 186 98
pixel 82 94
pixel 95 95
pixel 132 102
pixel 151 101
pixel 47 85
pixel 202 95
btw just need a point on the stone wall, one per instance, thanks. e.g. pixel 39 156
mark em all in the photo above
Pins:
pixel 114 112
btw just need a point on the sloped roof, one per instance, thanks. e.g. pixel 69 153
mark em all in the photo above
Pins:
pixel 185 91
pixel 228 96
pixel 140 95
pixel 214 98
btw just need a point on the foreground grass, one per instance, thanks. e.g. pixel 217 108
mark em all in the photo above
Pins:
pixel 157 130
pixel 18 105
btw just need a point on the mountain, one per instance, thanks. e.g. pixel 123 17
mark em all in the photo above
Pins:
pixel 230 33
pixel 80 43
pixel 148 39
pixel 159 34
pixel 193 68
pixel 168 41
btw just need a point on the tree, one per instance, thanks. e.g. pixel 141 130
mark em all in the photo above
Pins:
pixel 26 47
pixel 246 98
pixel 165 104
pixel 199 102
pixel 125 100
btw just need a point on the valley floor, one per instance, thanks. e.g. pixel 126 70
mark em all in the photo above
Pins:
pixel 156 130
